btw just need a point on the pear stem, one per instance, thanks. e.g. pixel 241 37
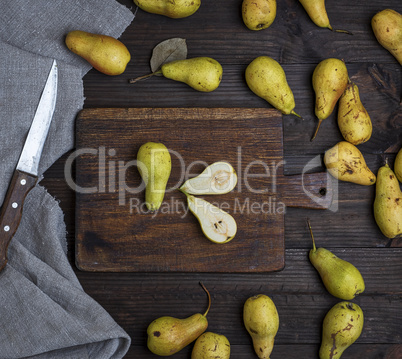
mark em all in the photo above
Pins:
pixel 337 30
pixel 294 113
pixel 134 80
pixel 343 31
pixel 311 234
pixel 209 299
pixel 316 130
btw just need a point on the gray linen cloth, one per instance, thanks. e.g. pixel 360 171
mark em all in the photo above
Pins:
pixel 44 312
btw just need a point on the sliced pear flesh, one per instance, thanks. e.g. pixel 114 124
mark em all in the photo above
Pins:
pixel 217 225
pixel 217 178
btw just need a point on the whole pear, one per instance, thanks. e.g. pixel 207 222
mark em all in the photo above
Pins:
pixel 342 326
pixel 345 162
pixel 168 335
pixel 318 13
pixel 388 203
pixel 353 119
pixel 398 165
pixel 387 28
pixel 173 9
pixel 267 79
pixel 330 78
pixel 154 164
pixel 106 54
pixel 258 14
pixel 341 278
pixel 201 73
pixel 211 346
pixel 261 320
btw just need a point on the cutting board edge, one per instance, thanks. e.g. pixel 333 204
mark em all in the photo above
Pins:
pixel 105 269
pixel 102 112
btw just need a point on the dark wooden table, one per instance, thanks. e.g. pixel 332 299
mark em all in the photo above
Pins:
pixel 217 30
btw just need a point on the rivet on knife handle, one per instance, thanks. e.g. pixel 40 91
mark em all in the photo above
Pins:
pixel 11 212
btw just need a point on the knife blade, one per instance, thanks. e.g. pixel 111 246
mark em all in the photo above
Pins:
pixel 25 175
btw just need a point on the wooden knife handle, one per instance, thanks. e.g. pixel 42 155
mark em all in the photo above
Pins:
pixel 11 212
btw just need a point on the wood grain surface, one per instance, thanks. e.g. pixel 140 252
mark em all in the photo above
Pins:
pixel 115 231
pixel 216 30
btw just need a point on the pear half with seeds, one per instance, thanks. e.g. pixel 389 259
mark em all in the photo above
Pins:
pixel 217 225
pixel 217 178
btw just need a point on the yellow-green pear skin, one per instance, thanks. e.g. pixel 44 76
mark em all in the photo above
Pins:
pixel 398 165
pixel 345 162
pixel 330 79
pixel 258 14
pixel 261 320
pixel 105 53
pixel 168 335
pixel 342 326
pixel 201 73
pixel 317 12
pixel 341 278
pixel 211 346
pixel 387 28
pixel 174 9
pixel 388 203
pixel 154 164
pixel 353 119
pixel 267 79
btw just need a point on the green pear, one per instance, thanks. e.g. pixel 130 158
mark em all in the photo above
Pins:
pixel 106 54
pixel 173 9
pixel 387 28
pixel 201 73
pixel 261 320
pixel 266 78
pixel 330 78
pixel 258 14
pixel 154 164
pixel 217 178
pixel 341 278
pixel 342 326
pixel 388 203
pixel 168 335
pixel 318 13
pixel 217 225
pixel 345 162
pixel 353 119
pixel 398 165
pixel 211 346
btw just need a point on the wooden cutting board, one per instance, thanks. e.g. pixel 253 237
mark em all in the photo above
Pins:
pixel 114 230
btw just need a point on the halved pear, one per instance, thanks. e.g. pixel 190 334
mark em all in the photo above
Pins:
pixel 217 178
pixel 217 225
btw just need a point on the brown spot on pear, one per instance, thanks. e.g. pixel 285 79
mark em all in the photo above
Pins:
pixel 258 14
pixel 345 162
pixel 387 28
pixel 342 326
pixel 387 203
pixel 168 335
pixel 211 346
pixel 261 320
pixel 330 78
pixel 353 119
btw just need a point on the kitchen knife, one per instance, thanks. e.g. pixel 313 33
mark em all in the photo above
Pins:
pixel 26 173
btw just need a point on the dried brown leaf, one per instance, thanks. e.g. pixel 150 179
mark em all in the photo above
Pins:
pixel 169 50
